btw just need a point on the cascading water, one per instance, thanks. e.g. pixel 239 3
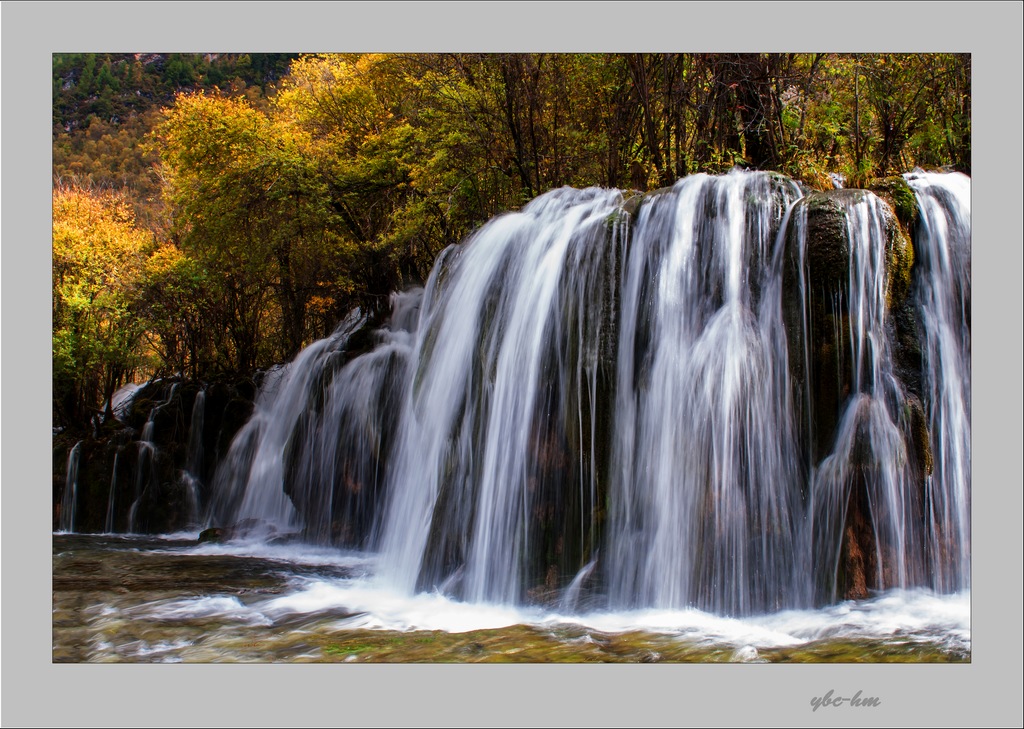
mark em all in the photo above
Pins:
pixel 502 380
pixel 191 477
pixel 587 408
pixel 108 522
pixel 337 470
pixel 706 503
pixel 310 458
pixel 869 452
pixel 570 602
pixel 145 473
pixel 69 501
pixel 943 246
pixel 250 481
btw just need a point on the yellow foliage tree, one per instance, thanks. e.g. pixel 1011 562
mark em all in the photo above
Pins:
pixel 98 256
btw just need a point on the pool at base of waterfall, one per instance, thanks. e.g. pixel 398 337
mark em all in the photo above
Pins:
pixel 122 598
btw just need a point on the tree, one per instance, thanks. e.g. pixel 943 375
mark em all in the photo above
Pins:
pixel 251 207
pixel 98 255
pixel 179 312
pixel 355 112
pixel 279 212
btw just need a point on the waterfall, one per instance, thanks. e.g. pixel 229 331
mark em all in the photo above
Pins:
pixel 870 450
pixel 571 597
pixel 501 386
pixel 310 458
pixel 706 506
pixel 337 470
pixel 108 523
pixel 686 401
pixel 943 246
pixel 191 477
pixel 143 470
pixel 69 501
pixel 121 400
pixel 145 473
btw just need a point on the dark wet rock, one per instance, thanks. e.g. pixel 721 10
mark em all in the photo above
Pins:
pixel 363 339
pixel 631 203
pixel 117 472
pixel 815 300
pixel 919 435
pixel 215 535
pixel 235 414
pixel 828 245
pixel 858 568
pixel 247 528
pixel 908 358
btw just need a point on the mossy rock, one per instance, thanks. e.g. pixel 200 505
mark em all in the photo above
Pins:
pixel 900 260
pixel 631 200
pixel 647 198
pixel 920 438
pixel 828 247
pixel 215 535
pixel 897 193
pixel 781 182
pixel 632 203
pixel 778 177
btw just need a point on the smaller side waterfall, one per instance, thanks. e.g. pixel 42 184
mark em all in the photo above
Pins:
pixel 108 523
pixel 869 469
pixel 191 476
pixel 144 468
pixel 69 501
pixel 121 400
pixel 146 471
pixel 337 455
pixel 943 245
pixel 312 457
pixel 571 597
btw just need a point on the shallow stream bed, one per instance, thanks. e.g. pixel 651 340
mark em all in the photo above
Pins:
pixel 168 600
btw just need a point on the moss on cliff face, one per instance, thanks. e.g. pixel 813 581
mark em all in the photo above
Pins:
pixel 899 261
pixel 897 193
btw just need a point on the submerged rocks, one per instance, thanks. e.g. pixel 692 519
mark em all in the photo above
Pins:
pixel 215 535
pixel 245 529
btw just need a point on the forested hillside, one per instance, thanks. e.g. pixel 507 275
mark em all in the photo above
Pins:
pixel 214 213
